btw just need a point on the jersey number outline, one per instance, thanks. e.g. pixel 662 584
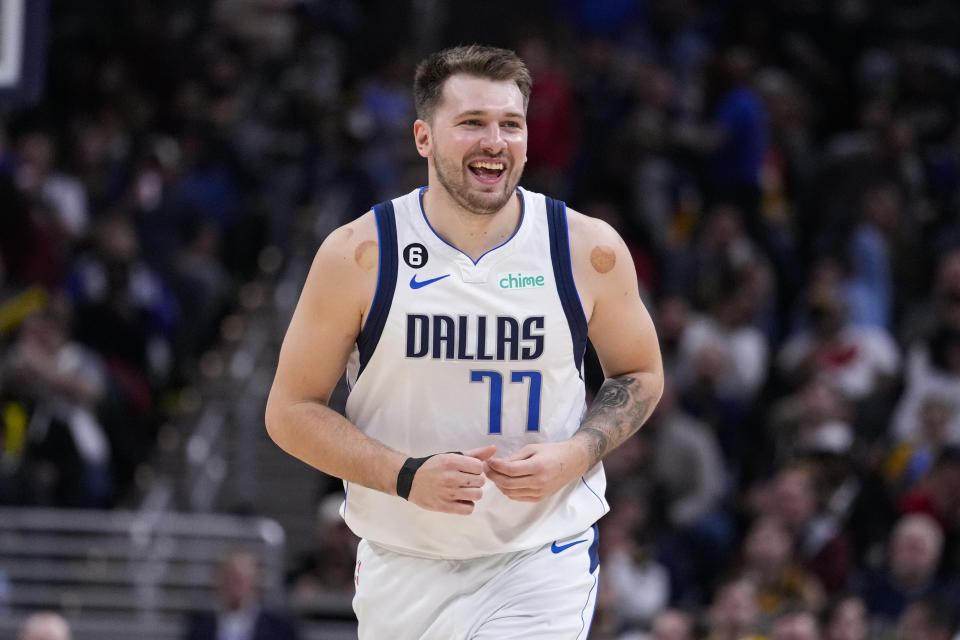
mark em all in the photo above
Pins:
pixel 496 396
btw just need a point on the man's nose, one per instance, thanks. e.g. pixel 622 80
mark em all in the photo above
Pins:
pixel 492 138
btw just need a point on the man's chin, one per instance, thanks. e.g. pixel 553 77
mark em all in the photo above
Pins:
pixel 492 201
pixel 488 205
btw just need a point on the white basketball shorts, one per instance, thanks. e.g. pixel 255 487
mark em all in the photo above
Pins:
pixel 548 593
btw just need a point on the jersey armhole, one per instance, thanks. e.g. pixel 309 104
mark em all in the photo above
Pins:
pixel 386 283
pixel 563 274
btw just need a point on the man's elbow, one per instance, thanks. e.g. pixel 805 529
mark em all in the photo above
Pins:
pixel 654 384
pixel 273 419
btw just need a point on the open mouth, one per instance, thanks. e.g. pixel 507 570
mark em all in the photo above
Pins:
pixel 488 171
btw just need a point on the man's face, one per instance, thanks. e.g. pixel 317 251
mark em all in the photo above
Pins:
pixel 477 140
pixel 795 501
pixel 670 626
pixel 801 626
pixel 914 554
pixel 238 577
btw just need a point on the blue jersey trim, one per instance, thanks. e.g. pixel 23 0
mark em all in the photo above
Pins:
pixel 586 624
pixel 590 489
pixel 595 549
pixel 594 564
pixel 523 210
pixel 386 284
pixel 563 274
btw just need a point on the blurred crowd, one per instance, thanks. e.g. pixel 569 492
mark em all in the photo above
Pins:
pixel 786 174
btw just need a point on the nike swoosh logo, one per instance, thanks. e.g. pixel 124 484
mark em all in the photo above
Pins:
pixel 558 548
pixel 414 284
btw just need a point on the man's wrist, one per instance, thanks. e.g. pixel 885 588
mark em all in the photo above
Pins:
pixel 579 454
pixel 406 474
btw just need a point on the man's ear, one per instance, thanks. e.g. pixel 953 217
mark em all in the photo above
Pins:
pixel 423 137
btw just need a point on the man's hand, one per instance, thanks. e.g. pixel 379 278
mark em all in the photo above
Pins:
pixel 450 482
pixel 536 471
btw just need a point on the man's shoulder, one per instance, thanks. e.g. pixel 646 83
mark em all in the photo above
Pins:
pixel 602 264
pixel 589 229
pixel 594 243
pixel 351 241
pixel 346 264
pixel 364 225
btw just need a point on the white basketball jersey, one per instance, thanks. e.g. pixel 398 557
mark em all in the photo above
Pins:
pixel 457 354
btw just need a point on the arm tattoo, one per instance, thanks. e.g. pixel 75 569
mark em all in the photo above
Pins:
pixel 622 405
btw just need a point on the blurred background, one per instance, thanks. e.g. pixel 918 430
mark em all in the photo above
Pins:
pixel 785 173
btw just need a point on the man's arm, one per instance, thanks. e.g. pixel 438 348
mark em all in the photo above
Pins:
pixel 622 333
pixel 329 315
pixel 621 407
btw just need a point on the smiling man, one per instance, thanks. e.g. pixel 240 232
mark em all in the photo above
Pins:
pixel 461 312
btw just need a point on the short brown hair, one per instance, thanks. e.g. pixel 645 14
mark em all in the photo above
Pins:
pixel 491 63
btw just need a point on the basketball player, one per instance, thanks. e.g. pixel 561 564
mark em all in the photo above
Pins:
pixel 461 312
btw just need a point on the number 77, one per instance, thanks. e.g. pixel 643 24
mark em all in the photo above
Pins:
pixel 496 396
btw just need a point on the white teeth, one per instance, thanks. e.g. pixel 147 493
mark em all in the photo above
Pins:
pixel 482 164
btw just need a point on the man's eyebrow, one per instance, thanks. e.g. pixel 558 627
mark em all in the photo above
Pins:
pixel 481 112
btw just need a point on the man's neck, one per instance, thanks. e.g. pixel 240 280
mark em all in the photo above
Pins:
pixel 472 233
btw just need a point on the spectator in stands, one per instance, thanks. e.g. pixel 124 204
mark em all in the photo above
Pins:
pixel 928 619
pixel 723 346
pixel 795 625
pixel 912 459
pixel 860 361
pixel 848 620
pixel 733 612
pixel 672 624
pixel 647 134
pixel 854 496
pixel 38 177
pixel 781 583
pixel 123 307
pixel 241 615
pixel 552 122
pixel 823 547
pixel 735 137
pixel 126 312
pixel 639 585
pixel 329 566
pixel 689 476
pixel 673 317
pixel 44 626
pixel 723 363
pixel 201 284
pixel 932 373
pixel 800 421
pixel 869 289
pixel 208 185
pixel 62 384
pixel 938 307
pixel 38 236
pixel 912 570
pixel 937 493
pixel 721 254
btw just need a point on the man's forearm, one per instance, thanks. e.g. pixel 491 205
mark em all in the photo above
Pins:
pixel 621 406
pixel 326 440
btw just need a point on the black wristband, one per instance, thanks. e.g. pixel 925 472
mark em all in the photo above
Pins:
pixel 405 477
pixel 408 470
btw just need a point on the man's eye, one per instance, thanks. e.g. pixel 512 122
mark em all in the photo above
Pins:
pixel 512 124
pixel 472 123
